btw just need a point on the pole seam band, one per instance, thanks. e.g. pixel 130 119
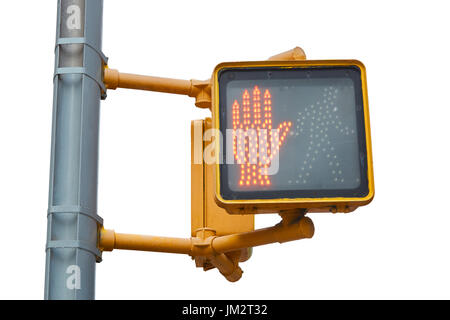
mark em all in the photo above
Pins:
pixel 80 70
pixel 75 209
pixel 74 244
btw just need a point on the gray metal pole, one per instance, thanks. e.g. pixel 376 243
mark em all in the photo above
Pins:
pixel 73 223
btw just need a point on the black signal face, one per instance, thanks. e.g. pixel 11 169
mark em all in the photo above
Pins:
pixel 295 132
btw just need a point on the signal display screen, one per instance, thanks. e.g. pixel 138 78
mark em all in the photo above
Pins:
pixel 292 133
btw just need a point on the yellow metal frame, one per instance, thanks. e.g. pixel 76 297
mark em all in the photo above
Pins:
pixel 337 204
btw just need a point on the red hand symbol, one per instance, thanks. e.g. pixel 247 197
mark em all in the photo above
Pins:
pixel 255 143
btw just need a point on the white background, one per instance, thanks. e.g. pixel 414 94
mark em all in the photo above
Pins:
pixel 397 247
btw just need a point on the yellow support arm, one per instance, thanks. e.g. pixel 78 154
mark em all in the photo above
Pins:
pixel 200 90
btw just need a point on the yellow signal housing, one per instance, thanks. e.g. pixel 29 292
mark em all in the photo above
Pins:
pixel 234 82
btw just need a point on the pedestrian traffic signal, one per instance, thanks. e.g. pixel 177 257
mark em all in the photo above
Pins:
pixel 286 136
pixel 294 135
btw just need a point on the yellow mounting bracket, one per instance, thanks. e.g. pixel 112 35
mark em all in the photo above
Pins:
pixel 218 239
pixel 209 250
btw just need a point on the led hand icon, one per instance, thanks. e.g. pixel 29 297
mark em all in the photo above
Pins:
pixel 255 143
